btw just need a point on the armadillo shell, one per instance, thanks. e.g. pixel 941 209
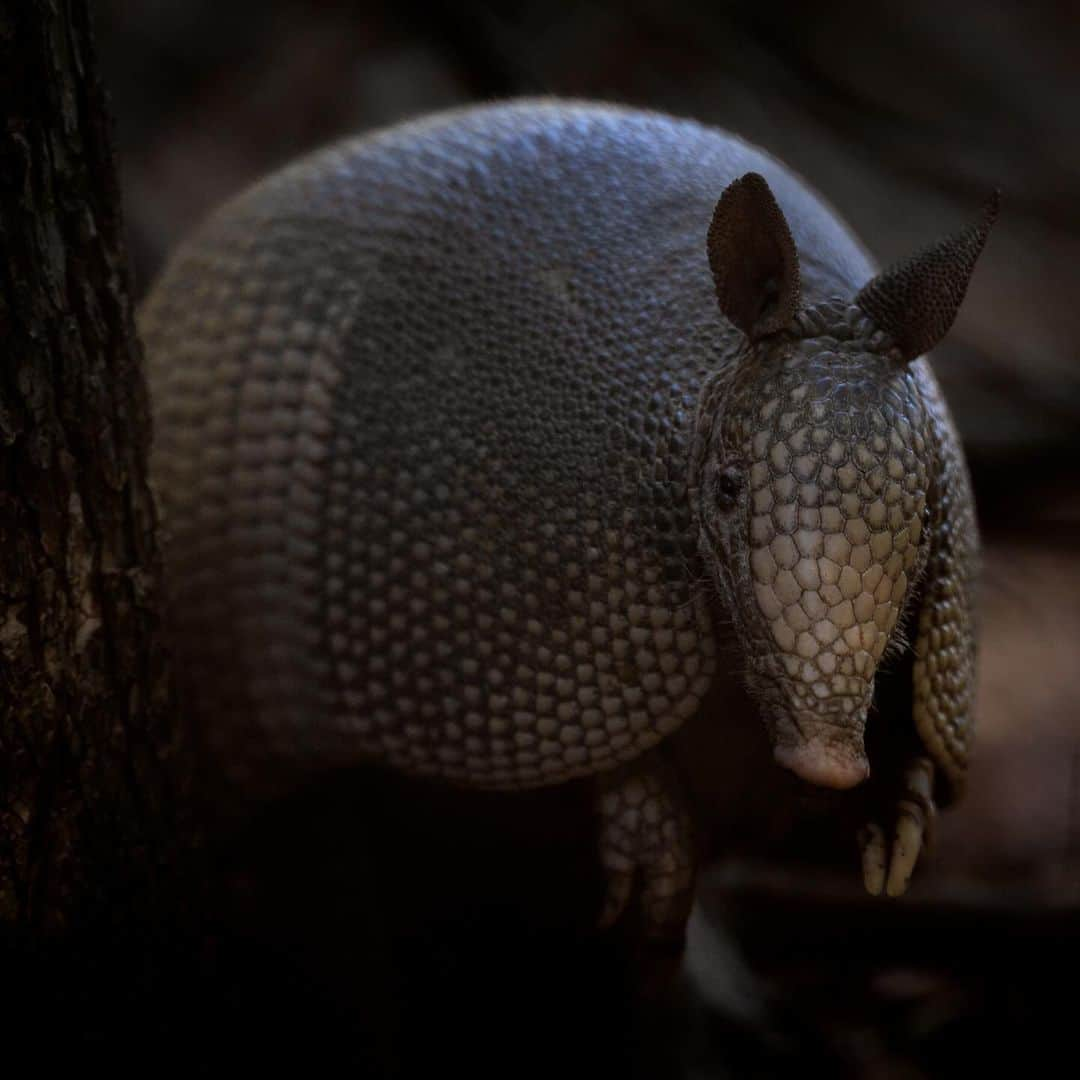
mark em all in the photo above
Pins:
pixel 422 407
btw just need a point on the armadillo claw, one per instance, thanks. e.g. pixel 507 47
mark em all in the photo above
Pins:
pixel 872 845
pixel 888 869
pixel 907 843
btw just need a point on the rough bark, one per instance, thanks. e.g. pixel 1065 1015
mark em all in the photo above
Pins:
pixel 86 815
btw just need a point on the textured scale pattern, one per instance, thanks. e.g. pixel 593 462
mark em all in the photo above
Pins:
pixel 425 409
pixel 945 646
pixel 851 465
pixel 838 480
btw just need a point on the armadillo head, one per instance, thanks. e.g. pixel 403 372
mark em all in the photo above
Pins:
pixel 814 459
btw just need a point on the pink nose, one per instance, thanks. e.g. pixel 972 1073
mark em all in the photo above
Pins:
pixel 823 765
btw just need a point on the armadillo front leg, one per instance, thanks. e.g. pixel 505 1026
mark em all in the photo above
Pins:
pixel 646 848
pixel 891 851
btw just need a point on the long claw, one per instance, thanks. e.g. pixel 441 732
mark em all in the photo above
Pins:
pixel 887 867
pixel 907 843
pixel 872 845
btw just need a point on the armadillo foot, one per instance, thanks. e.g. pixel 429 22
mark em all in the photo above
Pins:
pixel 887 867
pixel 647 849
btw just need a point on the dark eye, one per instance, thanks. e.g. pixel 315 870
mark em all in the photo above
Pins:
pixel 728 486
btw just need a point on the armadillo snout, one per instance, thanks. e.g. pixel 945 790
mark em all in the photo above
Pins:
pixel 825 759
pixel 821 743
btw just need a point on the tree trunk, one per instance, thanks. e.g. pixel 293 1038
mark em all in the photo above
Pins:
pixel 87 823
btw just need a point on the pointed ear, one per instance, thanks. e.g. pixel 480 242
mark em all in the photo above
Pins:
pixel 916 301
pixel 753 259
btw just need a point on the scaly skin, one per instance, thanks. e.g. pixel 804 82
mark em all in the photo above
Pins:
pixel 437 417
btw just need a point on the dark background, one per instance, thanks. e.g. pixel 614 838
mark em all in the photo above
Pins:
pixel 904 116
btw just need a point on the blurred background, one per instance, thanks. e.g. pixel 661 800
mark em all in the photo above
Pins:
pixel 904 117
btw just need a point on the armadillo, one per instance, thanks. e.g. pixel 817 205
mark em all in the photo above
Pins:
pixel 479 438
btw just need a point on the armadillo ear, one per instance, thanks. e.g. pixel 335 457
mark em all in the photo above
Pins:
pixel 753 259
pixel 916 301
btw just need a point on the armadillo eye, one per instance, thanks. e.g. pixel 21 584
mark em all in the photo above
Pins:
pixel 728 486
